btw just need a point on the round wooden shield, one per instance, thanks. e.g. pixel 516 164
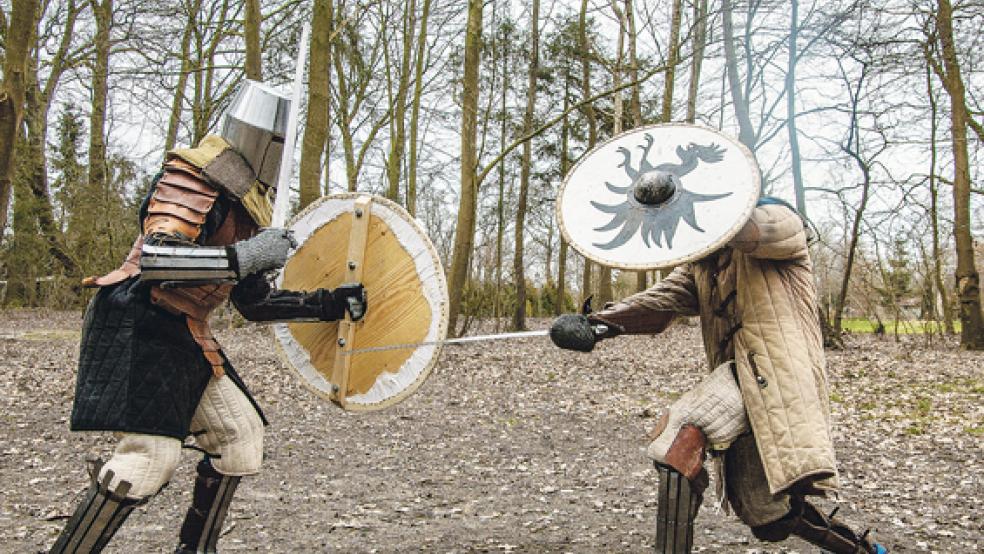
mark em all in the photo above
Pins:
pixel 360 238
pixel 717 184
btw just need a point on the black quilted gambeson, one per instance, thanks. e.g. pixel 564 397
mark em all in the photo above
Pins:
pixel 140 371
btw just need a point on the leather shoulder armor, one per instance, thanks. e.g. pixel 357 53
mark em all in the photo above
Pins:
pixel 180 202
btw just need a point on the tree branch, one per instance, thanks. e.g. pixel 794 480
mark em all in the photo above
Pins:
pixel 539 130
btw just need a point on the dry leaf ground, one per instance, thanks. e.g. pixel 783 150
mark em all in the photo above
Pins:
pixel 508 447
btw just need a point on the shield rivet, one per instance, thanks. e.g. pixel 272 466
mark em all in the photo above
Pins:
pixel 358 212
pixel 341 342
pixel 351 265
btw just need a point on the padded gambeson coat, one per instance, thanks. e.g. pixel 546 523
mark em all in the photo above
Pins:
pixel 757 305
pixel 141 367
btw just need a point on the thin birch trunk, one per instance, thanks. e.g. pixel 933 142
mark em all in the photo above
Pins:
pixel 519 270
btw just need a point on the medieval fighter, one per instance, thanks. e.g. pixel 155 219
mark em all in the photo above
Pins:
pixel 763 410
pixel 150 368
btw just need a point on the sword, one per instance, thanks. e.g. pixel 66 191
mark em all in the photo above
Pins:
pixel 598 331
pixel 282 203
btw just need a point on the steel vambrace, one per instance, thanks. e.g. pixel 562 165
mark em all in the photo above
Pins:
pixel 188 263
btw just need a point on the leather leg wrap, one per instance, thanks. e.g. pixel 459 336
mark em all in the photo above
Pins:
pixel 209 506
pixel 677 505
pixel 682 481
pixel 98 516
pixel 827 532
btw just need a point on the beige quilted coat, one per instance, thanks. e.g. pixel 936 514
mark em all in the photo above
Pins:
pixel 757 305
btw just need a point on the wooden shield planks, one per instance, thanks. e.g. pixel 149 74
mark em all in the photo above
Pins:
pixel 406 292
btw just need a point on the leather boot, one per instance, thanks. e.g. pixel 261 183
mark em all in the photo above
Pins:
pixel 831 534
pixel 807 523
pixel 97 517
pixel 209 505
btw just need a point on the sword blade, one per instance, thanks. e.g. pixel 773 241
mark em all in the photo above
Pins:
pixel 460 340
pixel 282 202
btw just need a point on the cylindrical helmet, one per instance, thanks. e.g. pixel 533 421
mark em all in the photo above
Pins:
pixel 255 124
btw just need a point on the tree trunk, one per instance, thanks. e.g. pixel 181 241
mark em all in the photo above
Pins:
pixel 12 94
pixel 934 214
pixel 565 135
pixel 673 58
pixel 605 293
pixel 794 149
pixel 500 229
pixel 418 86
pixel 967 278
pixel 464 236
pixel 316 126
pixel 635 100
pixel 398 139
pixel 251 26
pixel 589 112
pixel 746 132
pixel 519 270
pixel 98 178
pixel 700 41
pixel 853 149
pixel 179 89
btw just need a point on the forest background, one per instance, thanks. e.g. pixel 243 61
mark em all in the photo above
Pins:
pixel 867 115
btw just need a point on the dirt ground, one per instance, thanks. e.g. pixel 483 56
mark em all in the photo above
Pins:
pixel 508 447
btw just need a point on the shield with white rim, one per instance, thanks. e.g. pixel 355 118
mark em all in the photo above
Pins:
pixel 360 238
pixel 658 196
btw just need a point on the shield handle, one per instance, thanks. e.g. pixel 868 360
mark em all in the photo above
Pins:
pixel 358 237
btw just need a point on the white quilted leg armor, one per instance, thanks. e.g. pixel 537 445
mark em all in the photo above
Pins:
pixel 147 462
pixel 714 406
pixel 227 426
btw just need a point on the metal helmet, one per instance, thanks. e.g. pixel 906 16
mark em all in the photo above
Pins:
pixel 255 124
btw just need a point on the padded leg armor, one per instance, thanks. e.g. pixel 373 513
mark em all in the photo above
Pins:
pixel 807 523
pixel 209 505
pixel 712 415
pixel 98 517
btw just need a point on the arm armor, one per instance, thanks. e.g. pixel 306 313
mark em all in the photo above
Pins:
pixel 163 262
pixel 257 300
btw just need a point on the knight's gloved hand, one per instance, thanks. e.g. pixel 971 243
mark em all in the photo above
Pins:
pixel 267 250
pixel 573 332
pixel 349 297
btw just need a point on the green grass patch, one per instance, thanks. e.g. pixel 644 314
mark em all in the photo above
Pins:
pixel 908 327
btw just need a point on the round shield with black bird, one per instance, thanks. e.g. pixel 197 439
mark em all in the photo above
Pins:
pixel 658 196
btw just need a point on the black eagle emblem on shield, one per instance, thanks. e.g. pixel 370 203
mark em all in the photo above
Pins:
pixel 656 222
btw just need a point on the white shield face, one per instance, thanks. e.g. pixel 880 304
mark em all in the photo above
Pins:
pixel 717 186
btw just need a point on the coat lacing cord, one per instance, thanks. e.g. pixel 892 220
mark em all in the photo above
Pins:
pixel 721 310
pixel 726 340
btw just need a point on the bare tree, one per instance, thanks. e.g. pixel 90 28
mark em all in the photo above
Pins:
pixel 700 41
pixel 418 87
pixel 967 278
pixel 16 52
pixel 465 231
pixel 193 9
pixel 519 270
pixel 251 27
pixel 317 124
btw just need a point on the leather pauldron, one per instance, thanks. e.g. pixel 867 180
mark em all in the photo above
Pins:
pixel 181 200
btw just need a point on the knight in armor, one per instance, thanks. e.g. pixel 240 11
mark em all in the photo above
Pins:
pixel 763 411
pixel 150 368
